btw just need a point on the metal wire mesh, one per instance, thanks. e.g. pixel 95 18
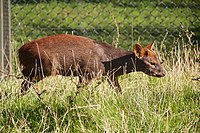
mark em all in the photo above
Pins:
pixel 123 22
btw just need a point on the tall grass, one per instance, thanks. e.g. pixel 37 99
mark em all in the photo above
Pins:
pixel 146 104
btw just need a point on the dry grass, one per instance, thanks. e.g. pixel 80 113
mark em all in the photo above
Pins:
pixel 147 104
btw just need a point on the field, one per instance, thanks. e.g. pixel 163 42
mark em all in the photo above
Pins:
pixel 146 104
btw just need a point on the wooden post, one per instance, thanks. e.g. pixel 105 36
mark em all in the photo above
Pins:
pixel 5 43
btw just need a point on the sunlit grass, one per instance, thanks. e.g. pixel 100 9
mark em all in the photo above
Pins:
pixel 146 104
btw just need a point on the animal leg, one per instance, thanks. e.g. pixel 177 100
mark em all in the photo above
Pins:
pixel 32 76
pixel 26 84
pixel 84 80
pixel 113 81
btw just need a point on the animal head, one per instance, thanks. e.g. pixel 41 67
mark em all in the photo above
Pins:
pixel 147 60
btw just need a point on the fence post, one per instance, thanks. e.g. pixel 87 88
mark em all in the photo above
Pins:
pixel 5 42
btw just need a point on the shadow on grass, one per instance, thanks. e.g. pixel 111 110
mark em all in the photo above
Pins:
pixel 108 34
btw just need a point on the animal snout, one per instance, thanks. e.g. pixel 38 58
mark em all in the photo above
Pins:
pixel 160 74
pixel 158 71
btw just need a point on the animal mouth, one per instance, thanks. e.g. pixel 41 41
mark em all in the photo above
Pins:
pixel 158 75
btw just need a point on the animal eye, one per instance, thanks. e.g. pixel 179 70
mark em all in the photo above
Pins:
pixel 152 63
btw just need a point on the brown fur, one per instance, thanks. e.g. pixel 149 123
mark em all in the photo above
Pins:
pixel 83 57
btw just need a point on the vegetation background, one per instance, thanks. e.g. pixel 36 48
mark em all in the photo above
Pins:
pixel 146 104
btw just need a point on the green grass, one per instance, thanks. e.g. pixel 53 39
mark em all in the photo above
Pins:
pixel 146 104
pixel 148 21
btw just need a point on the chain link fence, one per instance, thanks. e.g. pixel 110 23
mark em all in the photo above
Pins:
pixel 122 22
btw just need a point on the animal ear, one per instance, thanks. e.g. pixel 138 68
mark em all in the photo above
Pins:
pixel 150 46
pixel 138 51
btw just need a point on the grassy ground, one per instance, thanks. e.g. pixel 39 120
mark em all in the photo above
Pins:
pixel 146 104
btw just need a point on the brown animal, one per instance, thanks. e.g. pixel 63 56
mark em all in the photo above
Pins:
pixel 67 55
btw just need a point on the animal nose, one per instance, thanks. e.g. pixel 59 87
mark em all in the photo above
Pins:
pixel 163 73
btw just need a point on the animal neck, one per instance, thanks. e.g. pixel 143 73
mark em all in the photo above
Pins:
pixel 121 65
